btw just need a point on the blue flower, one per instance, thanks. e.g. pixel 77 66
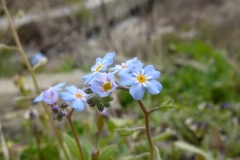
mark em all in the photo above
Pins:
pixel 141 80
pixel 124 67
pixel 49 96
pixel 74 95
pixel 103 84
pixel 101 64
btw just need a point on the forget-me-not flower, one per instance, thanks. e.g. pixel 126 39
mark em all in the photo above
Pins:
pixel 74 95
pixel 101 64
pixel 140 80
pixel 103 84
pixel 124 67
pixel 50 96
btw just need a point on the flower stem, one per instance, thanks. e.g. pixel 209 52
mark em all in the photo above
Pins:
pixel 147 125
pixel 30 69
pixel 75 134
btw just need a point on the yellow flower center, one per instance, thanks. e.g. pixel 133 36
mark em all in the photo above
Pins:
pixel 98 68
pixel 124 66
pixel 141 78
pixel 78 95
pixel 107 86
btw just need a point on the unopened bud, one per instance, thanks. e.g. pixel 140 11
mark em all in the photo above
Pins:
pixel 123 132
pixel 63 112
pixel 65 105
pixel 87 89
pixel 55 116
pixel 95 154
pixel 55 108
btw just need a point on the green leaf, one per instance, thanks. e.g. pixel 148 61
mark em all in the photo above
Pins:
pixel 71 145
pixel 167 106
pixel 123 132
pixel 194 149
pixel 73 149
pixel 118 122
pixel 108 153
pixel 156 154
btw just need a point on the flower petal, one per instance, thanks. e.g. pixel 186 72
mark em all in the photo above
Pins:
pixel 108 58
pixel 136 66
pixel 50 96
pixel 127 79
pixel 125 70
pixel 58 86
pixel 71 89
pixel 154 87
pixel 150 71
pixel 96 87
pixel 38 99
pixel 78 104
pixel 130 61
pixel 100 76
pixel 68 97
pixel 137 91
pixel 87 78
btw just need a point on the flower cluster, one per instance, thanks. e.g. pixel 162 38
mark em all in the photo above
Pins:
pixel 99 84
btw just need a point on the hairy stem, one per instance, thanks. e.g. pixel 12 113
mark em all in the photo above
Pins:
pixel 75 134
pixel 31 71
pixel 147 125
pixel 146 116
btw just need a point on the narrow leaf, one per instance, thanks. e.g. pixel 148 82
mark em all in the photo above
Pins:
pixel 194 149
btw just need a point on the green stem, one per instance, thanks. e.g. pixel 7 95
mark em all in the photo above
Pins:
pixel 154 109
pixel 148 130
pixel 30 69
pixel 75 134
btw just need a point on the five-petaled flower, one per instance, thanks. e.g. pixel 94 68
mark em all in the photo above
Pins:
pixel 103 84
pixel 51 95
pixel 141 79
pixel 101 65
pixel 74 95
pixel 124 67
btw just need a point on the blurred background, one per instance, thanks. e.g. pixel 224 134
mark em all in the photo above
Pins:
pixel 195 44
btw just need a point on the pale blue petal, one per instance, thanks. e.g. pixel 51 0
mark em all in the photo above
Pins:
pixel 87 78
pixel 98 60
pixel 72 89
pixel 111 76
pixel 38 99
pixel 50 96
pixel 68 97
pixel 150 71
pixel 93 68
pixel 104 94
pixel 78 104
pixel 130 61
pixel 136 66
pixel 137 91
pixel 58 86
pixel 154 87
pixel 100 76
pixel 108 58
pixel 127 79
pixel 117 67
pixel 96 87
pixel 104 67
pixel 126 70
